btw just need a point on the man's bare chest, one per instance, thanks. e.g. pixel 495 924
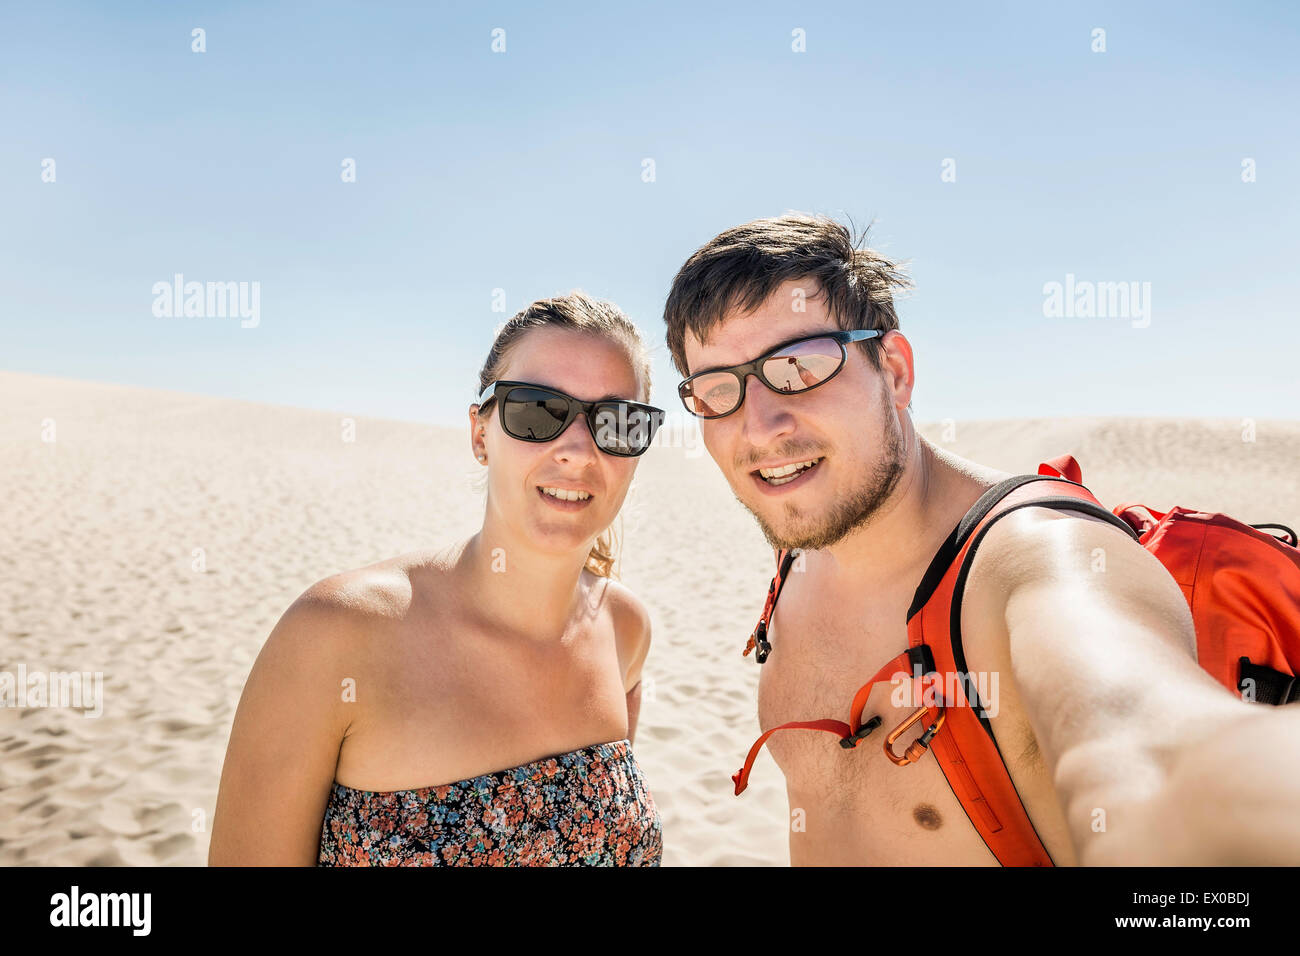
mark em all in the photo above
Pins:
pixel 855 805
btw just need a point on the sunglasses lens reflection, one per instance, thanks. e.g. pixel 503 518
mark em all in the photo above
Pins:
pixel 795 368
pixel 712 395
pixel 534 414
pixel 624 428
pixel 803 365
pixel 619 428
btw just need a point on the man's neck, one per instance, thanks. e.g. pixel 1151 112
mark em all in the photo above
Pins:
pixel 899 541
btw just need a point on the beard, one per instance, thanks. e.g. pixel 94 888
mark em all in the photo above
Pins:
pixel 813 532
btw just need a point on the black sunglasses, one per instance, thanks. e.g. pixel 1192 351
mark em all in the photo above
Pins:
pixel 799 365
pixel 537 413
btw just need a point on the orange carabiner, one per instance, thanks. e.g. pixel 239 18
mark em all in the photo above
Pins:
pixel 918 747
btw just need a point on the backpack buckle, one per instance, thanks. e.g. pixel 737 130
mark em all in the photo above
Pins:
pixel 851 741
pixel 763 645
pixel 918 747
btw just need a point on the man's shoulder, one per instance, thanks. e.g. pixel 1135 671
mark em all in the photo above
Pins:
pixel 1036 526
pixel 1038 539
pixel 1071 550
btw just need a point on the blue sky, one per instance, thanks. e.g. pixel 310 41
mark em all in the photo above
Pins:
pixel 522 171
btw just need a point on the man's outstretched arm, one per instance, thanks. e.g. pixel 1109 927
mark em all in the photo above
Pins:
pixel 1154 761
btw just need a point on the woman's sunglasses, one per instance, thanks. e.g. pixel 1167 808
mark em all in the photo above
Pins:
pixel 797 366
pixel 536 413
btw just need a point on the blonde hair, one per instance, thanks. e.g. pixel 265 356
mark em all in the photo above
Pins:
pixel 578 312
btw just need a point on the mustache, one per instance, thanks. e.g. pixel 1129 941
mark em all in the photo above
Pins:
pixel 791 450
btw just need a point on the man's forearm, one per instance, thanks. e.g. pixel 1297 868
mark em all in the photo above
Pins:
pixel 1231 797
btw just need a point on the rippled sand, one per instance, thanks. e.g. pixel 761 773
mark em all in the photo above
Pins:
pixel 160 536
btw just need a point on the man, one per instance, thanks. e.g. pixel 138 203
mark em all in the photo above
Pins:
pixel 1179 769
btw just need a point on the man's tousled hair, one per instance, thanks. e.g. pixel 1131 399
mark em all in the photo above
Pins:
pixel 742 267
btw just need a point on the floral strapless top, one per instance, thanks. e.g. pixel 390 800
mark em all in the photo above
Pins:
pixel 588 807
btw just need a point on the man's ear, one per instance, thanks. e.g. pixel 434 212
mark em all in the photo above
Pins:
pixel 897 366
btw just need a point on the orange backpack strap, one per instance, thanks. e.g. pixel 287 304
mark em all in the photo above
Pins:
pixel 966 749
pixel 758 639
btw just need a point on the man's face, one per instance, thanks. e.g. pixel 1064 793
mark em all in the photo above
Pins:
pixel 848 426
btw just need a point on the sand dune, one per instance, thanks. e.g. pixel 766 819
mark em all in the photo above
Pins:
pixel 159 537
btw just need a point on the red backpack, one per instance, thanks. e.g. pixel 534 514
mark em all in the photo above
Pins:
pixel 1241 583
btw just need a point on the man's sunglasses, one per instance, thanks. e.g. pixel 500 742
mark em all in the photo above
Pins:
pixel 536 413
pixel 797 366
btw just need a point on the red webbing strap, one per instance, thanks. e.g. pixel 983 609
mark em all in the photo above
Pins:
pixel 1062 466
pixel 837 727
pixel 902 662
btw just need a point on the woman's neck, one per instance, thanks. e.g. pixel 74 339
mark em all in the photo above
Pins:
pixel 518 590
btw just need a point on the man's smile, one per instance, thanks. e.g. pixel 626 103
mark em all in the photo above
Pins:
pixel 779 478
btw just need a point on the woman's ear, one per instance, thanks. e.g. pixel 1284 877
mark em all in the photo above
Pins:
pixel 477 432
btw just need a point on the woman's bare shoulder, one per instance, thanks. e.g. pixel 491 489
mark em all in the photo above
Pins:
pixel 631 625
pixel 624 603
pixel 363 602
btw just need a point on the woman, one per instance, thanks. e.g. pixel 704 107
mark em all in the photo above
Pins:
pixel 376 720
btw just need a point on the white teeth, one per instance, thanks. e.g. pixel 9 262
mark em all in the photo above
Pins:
pixel 564 495
pixel 771 474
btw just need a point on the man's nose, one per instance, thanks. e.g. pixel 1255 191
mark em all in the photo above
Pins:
pixel 766 416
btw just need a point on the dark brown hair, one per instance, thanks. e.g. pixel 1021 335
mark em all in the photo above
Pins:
pixel 742 267
pixel 578 312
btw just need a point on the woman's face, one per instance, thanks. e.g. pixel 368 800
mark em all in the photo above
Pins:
pixel 587 367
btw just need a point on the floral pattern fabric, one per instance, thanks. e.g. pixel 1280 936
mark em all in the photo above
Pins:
pixel 588 807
